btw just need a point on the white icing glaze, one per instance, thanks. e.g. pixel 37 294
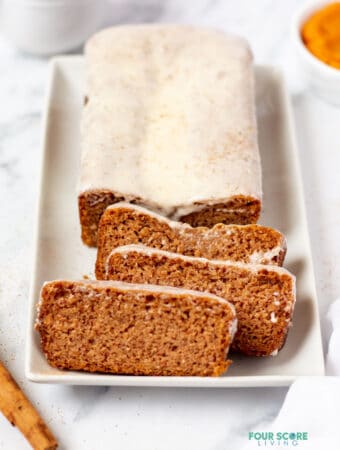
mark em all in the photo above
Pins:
pixel 170 118
pixel 265 256
pixel 273 317
pixel 232 331
pixel 139 248
pixel 233 327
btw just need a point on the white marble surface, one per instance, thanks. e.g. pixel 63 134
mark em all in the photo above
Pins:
pixel 91 418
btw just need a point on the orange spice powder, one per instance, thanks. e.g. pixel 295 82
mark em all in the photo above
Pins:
pixel 321 34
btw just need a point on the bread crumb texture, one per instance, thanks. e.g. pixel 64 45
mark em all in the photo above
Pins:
pixel 263 296
pixel 121 329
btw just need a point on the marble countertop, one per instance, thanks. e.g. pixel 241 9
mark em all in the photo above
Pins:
pixel 99 418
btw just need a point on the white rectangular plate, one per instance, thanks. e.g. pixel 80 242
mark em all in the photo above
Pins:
pixel 60 253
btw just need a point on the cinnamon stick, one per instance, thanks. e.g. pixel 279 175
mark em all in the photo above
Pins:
pixel 21 413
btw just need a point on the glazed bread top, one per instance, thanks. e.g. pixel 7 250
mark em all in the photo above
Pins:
pixel 170 116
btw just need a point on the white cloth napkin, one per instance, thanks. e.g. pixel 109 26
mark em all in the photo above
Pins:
pixel 312 405
pixel 333 355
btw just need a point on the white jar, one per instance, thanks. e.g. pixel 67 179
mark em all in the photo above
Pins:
pixel 322 79
pixel 46 27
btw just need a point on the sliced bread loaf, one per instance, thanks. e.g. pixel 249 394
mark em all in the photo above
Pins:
pixel 124 224
pixel 121 328
pixel 263 296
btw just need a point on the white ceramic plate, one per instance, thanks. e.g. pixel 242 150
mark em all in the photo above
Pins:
pixel 60 253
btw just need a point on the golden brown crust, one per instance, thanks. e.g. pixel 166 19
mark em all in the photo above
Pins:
pixel 239 210
pixel 263 297
pixel 124 225
pixel 99 327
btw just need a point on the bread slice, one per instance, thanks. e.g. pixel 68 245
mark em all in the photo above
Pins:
pixel 122 328
pixel 263 296
pixel 124 224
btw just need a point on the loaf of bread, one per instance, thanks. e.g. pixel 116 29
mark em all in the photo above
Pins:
pixel 121 328
pixel 124 224
pixel 169 123
pixel 263 296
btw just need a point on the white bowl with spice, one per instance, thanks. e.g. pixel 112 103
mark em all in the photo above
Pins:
pixel 316 39
pixel 47 27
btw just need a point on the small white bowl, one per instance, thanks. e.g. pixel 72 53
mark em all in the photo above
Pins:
pixel 47 27
pixel 323 79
